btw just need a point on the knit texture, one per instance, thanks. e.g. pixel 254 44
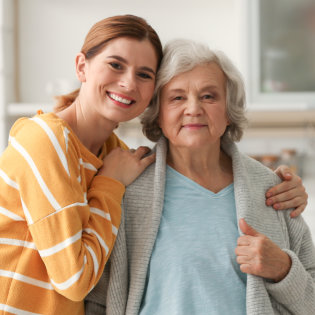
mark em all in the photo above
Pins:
pixel 58 221
pixel 142 208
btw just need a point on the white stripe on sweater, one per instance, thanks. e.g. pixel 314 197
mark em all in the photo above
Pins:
pixel 60 246
pixel 10 214
pixel 95 261
pixel 26 279
pixel 68 283
pixel 91 231
pixel 14 310
pixel 106 216
pixel 15 242
pixel 88 166
pixel 36 172
pixel 114 230
pixel 101 213
pixel 80 204
pixel 8 180
pixel 65 134
pixel 26 213
pixel 54 142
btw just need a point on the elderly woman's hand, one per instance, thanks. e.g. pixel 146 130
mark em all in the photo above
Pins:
pixel 259 256
pixel 288 194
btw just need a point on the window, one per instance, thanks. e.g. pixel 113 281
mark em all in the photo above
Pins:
pixel 282 50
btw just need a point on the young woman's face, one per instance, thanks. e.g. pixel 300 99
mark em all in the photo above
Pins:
pixel 193 107
pixel 118 83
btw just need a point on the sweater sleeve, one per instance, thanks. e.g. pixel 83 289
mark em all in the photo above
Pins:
pixel 296 292
pixel 73 224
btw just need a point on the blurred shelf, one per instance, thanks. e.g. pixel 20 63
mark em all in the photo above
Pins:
pixel 30 109
pixel 281 118
pixel 27 109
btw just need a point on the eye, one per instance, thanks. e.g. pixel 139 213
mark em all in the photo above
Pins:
pixel 208 96
pixel 144 75
pixel 177 98
pixel 115 65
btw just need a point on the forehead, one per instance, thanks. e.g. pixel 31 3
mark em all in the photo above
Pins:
pixel 131 49
pixel 208 74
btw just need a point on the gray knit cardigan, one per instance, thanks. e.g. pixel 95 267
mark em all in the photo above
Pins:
pixel 121 287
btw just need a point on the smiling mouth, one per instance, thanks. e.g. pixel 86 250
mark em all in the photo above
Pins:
pixel 120 99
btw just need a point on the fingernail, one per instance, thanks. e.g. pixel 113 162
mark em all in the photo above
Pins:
pixel 276 206
pixel 269 202
pixel 269 194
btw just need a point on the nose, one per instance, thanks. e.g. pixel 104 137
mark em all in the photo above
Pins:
pixel 193 107
pixel 128 81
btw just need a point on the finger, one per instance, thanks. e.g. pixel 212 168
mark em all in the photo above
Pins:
pixel 243 240
pixel 146 161
pixel 246 228
pixel 293 203
pixel 286 196
pixel 246 268
pixel 283 187
pixel 141 151
pixel 295 213
pixel 284 172
pixel 243 251
pixel 243 260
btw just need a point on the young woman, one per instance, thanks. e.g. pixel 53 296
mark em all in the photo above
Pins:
pixel 63 174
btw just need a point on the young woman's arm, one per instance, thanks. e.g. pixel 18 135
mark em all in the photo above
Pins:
pixel 72 213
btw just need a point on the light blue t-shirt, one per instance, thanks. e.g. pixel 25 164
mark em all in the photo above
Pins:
pixel 193 268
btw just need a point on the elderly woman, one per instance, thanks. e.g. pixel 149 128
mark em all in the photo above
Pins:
pixel 179 249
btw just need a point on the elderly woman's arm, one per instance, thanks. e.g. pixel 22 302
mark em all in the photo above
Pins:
pixel 290 274
pixel 290 193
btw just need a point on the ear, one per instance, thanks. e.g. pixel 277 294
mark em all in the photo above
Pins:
pixel 228 122
pixel 80 67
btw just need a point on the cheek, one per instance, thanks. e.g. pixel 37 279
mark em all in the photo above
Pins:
pixel 147 91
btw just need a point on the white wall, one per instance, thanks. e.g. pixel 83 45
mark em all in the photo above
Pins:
pixel 51 32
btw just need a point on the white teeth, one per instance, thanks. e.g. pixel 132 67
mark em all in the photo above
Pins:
pixel 119 99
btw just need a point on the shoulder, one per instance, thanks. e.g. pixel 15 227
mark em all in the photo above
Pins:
pixel 250 169
pixel 44 137
pixel 153 177
pixel 37 128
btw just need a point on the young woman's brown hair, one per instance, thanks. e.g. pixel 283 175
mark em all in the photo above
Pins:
pixel 104 31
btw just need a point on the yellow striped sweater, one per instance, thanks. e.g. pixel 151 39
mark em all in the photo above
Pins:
pixel 58 221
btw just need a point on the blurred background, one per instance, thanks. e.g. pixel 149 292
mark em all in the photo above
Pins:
pixel 272 42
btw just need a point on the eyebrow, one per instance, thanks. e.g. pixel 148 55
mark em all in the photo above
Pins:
pixel 205 88
pixel 125 61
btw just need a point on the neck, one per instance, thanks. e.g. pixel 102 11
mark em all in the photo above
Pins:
pixel 89 127
pixel 210 167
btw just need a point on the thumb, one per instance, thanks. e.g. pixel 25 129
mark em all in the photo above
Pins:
pixel 284 172
pixel 247 229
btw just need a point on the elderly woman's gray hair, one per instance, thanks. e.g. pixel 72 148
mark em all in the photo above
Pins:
pixel 182 56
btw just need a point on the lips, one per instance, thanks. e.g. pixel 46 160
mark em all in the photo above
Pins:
pixel 120 98
pixel 194 126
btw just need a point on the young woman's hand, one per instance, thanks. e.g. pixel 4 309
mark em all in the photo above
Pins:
pixel 126 165
pixel 288 194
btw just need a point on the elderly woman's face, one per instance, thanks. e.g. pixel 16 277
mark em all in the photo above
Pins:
pixel 193 107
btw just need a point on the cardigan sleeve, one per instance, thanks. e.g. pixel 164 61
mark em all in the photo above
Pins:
pixel 73 225
pixel 296 292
